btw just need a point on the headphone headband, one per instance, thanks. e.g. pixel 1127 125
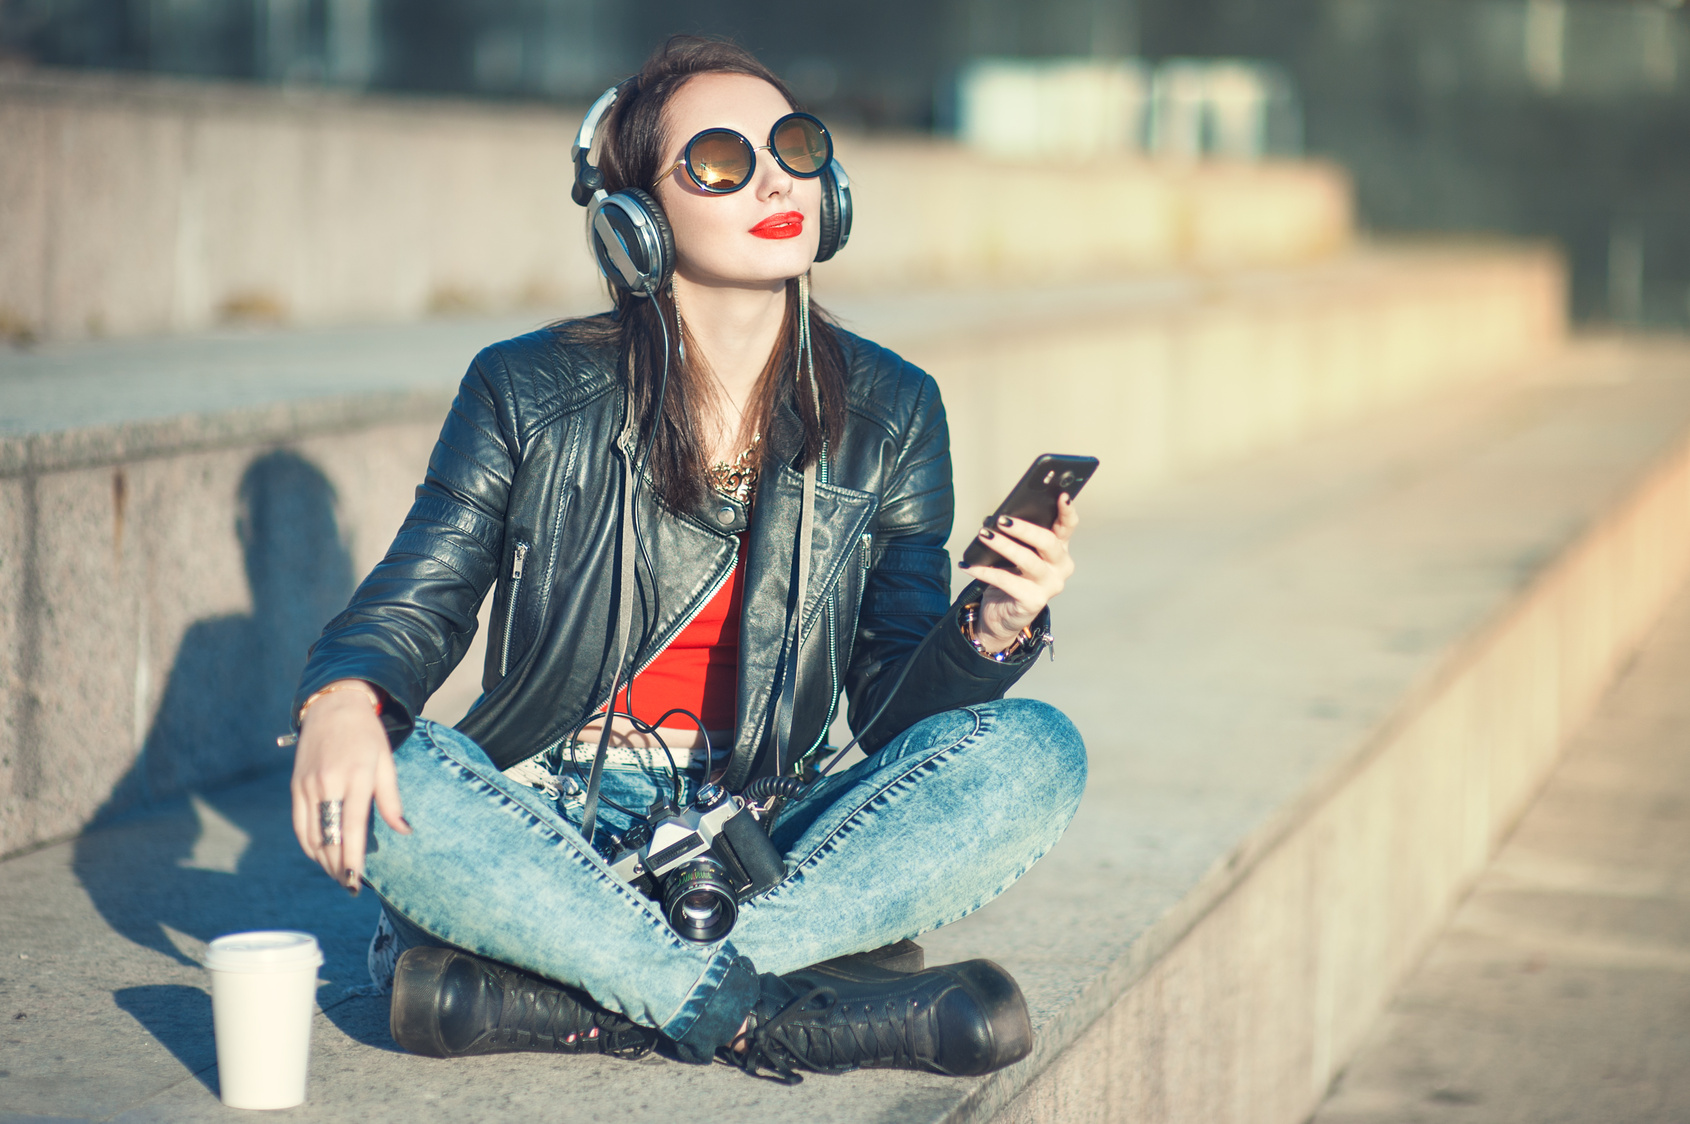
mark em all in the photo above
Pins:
pixel 588 178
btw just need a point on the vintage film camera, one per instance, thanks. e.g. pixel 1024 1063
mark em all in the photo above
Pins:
pixel 700 862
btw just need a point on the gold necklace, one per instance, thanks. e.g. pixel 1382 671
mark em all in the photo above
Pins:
pixel 737 478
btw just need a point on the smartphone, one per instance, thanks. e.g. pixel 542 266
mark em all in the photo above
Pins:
pixel 1034 499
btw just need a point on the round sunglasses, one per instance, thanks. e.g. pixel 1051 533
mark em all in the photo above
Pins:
pixel 721 161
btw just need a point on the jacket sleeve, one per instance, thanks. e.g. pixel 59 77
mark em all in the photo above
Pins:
pixel 411 620
pixel 910 655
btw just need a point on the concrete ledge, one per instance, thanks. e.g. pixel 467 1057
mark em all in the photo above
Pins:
pixel 133 205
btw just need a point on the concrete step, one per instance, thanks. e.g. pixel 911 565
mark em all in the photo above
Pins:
pixel 1560 988
pixel 131 471
pixel 1317 689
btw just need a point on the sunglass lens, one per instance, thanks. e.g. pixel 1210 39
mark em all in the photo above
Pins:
pixel 719 160
pixel 802 145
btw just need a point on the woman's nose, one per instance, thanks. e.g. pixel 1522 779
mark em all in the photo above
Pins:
pixel 772 179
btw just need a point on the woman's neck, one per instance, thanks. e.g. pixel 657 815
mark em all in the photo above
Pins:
pixel 735 330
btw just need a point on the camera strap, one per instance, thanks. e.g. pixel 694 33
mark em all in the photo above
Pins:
pixel 789 676
pixel 624 624
pixel 806 533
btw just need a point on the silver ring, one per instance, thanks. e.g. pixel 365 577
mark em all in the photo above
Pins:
pixel 328 815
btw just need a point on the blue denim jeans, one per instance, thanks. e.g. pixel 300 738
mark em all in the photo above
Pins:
pixel 934 825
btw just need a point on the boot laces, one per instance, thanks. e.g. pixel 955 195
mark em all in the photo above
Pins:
pixel 534 1014
pixel 817 1032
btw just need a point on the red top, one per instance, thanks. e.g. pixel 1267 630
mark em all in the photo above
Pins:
pixel 699 670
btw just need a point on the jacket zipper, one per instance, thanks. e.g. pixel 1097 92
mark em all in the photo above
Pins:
pixel 832 642
pixel 510 608
pixel 832 638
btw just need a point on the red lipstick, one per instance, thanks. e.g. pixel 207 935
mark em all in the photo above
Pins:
pixel 787 224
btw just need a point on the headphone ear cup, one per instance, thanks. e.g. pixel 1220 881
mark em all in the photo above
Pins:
pixel 828 243
pixel 835 211
pixel 631 240
pixel 664 263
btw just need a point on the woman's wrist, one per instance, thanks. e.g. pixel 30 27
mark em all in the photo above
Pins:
pixel 988 643
pixel 342 693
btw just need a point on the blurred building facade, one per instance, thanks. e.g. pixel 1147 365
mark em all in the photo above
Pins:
pixel 1563 119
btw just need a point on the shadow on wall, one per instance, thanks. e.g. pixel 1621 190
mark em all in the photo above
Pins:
pixel 227 696
pixel 180 882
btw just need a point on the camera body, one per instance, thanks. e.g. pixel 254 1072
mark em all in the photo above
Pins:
pixel 700 862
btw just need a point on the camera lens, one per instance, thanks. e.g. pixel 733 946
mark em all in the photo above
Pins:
pixel 1068 479
pixel 699 902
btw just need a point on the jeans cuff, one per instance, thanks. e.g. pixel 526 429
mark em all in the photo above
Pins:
pixel 723 1013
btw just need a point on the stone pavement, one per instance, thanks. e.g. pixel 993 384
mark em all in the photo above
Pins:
pixel 1226 646
pixel 1560 993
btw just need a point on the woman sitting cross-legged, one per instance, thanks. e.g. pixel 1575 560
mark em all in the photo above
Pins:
pixel 703 516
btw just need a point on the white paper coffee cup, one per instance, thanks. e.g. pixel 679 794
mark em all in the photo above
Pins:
pixel 263 995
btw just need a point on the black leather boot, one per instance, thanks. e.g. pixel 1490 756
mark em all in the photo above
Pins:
pixel 957 1019
pixel 448 1003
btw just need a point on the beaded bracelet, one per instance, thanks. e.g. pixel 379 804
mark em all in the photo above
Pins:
pixel 1022 644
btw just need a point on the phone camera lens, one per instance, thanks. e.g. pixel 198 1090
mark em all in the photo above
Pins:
pixel 1068 479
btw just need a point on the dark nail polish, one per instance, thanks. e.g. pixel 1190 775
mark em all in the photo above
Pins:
pixel 987 535
pixel 1004 521
pixel 407 823
pixel 353 889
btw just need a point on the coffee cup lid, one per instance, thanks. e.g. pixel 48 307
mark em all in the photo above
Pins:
pixel 275 950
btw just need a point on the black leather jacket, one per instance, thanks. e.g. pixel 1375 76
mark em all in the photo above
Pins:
pixel 522 494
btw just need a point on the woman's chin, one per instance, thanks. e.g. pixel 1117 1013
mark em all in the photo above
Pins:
pixel 772 270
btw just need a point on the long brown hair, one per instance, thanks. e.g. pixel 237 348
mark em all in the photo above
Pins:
pixel 635 141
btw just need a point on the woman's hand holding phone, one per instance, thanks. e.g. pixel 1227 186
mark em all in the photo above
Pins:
pixel 1012 601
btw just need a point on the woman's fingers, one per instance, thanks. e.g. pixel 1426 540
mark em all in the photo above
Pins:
pixel 1067 519
pixel 302 826
pixel 315 849
pixel 327 849
pixel 1038 538
pixel 1049 574
pixel 1017 587
pixel 1050 545
pixel 387 795
pixel 1031 564
pixel 355 830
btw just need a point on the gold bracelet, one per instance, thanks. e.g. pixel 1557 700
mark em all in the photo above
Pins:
pixel 344 685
